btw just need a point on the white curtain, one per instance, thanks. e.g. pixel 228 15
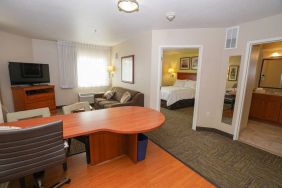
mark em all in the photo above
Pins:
pixel 67 57
pixel 92 65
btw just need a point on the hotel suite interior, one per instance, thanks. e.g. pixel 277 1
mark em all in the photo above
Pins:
pixel 140 93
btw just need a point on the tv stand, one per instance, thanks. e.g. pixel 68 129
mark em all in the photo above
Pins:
pixel 32 97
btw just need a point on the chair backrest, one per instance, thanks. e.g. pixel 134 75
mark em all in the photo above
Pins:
pixel 85 106
pixel 26 151
pixel 16 116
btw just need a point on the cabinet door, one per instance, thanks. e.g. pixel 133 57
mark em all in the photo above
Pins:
pixel 272 110
pixel 280 116
pixel 257 108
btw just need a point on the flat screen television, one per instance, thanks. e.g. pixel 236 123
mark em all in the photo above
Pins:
pixel 28 73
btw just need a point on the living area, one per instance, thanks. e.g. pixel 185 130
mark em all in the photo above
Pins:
pixel 81 85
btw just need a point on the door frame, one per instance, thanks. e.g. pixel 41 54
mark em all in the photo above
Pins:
pixel 198 82
pixel 243 87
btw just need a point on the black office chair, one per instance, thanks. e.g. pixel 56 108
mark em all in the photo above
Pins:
pixel 30 151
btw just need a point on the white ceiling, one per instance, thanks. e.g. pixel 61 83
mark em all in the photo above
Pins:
pixel 76 20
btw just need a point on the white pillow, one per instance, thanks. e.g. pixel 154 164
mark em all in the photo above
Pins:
pixel 179 83
pixel 109 94
pixel 190 84
pixel 125 97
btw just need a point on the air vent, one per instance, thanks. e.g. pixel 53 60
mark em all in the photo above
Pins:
pixel 231 37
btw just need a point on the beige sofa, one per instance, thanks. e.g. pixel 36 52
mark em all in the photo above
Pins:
pixel 137 99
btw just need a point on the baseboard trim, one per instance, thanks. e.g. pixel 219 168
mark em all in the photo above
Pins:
pixel 215 131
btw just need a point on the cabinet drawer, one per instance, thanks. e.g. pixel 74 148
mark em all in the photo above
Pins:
pixel 39 97
pixel 41 104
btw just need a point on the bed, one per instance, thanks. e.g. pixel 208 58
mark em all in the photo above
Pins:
pixel 180 95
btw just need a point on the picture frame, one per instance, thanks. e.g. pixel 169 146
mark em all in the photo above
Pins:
pixel 233 73
pixel 127 69
pixel 184 63
pixel 194 63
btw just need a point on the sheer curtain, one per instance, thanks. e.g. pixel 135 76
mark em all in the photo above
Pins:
pixel 92 65
pixel 67 57
pixel 83 65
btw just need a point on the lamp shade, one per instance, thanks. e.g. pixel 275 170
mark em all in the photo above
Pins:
pixel 111 68
pixel 170 70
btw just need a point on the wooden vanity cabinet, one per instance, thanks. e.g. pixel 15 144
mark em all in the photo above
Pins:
pixel 266 107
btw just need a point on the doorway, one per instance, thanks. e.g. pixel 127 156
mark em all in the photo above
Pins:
pixel 261 109
pixel 180 69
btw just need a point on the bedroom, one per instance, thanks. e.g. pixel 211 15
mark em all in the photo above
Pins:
pixel 178 87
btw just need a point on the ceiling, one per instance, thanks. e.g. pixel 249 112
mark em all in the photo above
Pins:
pixel 100 22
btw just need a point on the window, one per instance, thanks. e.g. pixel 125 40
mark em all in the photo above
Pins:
pixel 92 64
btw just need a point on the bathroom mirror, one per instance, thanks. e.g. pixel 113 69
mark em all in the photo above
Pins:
pixel 230 89
pixel 271 73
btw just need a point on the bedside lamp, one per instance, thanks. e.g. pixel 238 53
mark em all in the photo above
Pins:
pixel 171 72
pixel 111 69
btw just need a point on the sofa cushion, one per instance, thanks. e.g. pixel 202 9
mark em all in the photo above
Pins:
pixel 120 91
pixel 97 100
pixel 107 103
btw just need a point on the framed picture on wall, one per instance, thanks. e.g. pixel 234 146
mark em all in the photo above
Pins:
pixel 185 63
pixel 194 63
pixel 127 69
pixel 233 73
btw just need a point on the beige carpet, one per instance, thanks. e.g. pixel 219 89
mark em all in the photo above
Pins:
pixel 221 160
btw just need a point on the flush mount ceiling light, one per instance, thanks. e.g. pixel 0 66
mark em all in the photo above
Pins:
pixel 128 6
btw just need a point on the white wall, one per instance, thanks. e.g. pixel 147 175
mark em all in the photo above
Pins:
pixel 12 48
pixel 212 41
pixel 139 46
pixel 215 62
pixel 45 51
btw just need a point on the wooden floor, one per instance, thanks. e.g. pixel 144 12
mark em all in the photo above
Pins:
pixel 263 136
pixel 160 169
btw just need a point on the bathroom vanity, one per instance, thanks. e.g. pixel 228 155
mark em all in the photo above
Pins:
pixel 267 106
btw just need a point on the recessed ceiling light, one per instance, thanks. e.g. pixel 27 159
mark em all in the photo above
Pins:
pixel 128 6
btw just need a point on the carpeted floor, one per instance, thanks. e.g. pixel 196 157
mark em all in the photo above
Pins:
pixel 221 160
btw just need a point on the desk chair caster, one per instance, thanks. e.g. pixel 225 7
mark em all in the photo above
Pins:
pixel 61 183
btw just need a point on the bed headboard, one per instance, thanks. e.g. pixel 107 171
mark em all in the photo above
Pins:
pixel 186 76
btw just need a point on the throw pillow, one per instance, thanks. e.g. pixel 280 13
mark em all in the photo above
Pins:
pixel 125 97
pixel 109 94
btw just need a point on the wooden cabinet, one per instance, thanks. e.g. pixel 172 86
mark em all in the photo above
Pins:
pixel 32 97
pixel 266 107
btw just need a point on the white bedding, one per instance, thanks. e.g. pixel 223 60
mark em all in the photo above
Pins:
pixel 173 94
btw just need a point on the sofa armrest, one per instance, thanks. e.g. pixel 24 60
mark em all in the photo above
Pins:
pixel 99 95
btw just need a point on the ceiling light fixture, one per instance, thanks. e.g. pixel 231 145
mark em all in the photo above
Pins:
pixel 170 16
pixel 128 6
pixel 275 54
